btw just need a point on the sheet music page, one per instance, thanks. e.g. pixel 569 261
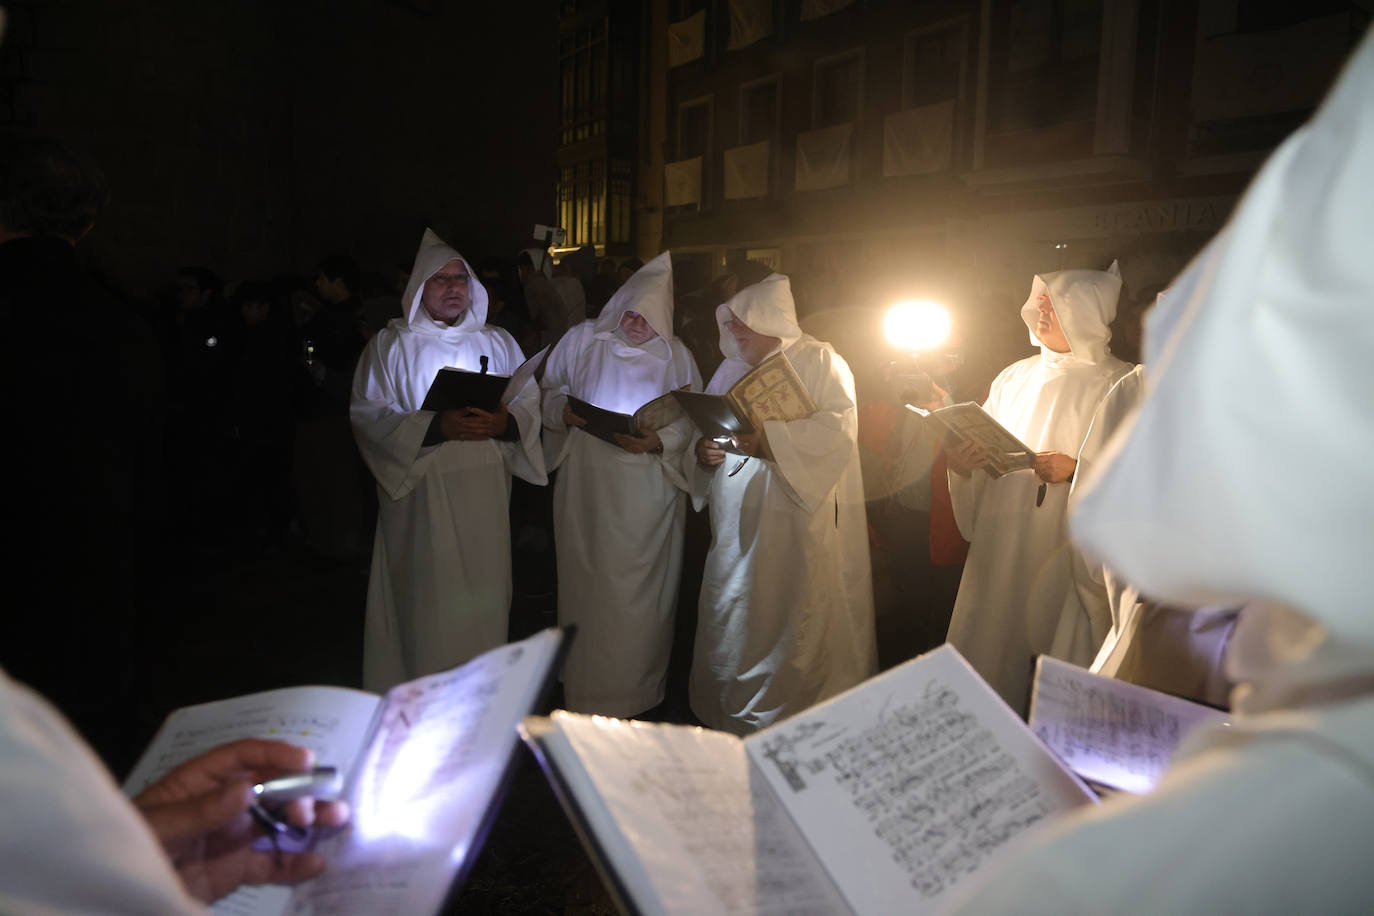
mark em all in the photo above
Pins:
pixel 911 782
pixel 1108 731
pixel 523 373
pixel 431 772
pixel 970 421
pixel 331 721
pixel 687 828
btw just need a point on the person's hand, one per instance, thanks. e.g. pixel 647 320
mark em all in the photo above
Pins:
pixel 638 445
pixel 199 813
pixel 570 418
pixel 472 424
pixel 1054 467
pixel 748 443
pixel 938 398
pixel 709 453
pixel 965 457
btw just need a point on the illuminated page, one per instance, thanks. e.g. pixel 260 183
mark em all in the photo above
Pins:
pixel 685 825
pixel 427 782
pixel 912 782
pixel 334 722
pixel 773 391
pixel 971 423
pixel 1111 732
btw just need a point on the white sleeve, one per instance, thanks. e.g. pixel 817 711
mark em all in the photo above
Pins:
pixel 525 457
pixel 390 439
pixel 812 454
pixel 69 841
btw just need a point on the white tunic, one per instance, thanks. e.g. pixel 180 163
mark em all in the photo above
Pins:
pixel 69 841
pixel 618 517
pixel 1245 478
pixel 440 587
pixel 1018 573
pixel 786 611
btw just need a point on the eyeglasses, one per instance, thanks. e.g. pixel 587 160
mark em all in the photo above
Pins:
pixel 448 279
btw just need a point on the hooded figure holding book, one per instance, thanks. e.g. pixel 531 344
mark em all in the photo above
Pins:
pixel 619 506
pixel 786 612
pixel 1259 362
pixel 440 587
pixel 1011 603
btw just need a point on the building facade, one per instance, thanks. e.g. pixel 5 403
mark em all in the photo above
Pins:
pixel 877 149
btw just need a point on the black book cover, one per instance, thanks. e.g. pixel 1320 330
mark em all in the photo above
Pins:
pixel 453 389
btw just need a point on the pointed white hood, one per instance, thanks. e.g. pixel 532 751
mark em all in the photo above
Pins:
pixel 1085 302
pixel 649 291
pixel 434 253
pixel 767 308
pixel 1247 473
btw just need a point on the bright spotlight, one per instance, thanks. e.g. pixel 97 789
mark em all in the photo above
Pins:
pixel 917 324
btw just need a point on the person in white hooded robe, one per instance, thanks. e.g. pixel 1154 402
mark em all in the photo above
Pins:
pixel 1245 478
pixel 1176 650
pixel 1018 573
pixel 786 610
pixel 440 586
pixel 619 510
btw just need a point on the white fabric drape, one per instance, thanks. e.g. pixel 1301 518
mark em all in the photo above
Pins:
pixel 1245 478
pixel 1019 570
pixel 750 20
pixel 746 171
pixel 682 183
pixel 440 586
pixel 815 9
pixel 687 39
pixel 823 157
pixel 919 140
pixel 618 517
pixel 786 610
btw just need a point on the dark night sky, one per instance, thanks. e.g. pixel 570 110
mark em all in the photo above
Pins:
pixel 254 136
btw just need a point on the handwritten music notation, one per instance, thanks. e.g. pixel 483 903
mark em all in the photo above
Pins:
pixel 1111 732
pixel 329 721
pixel 929 778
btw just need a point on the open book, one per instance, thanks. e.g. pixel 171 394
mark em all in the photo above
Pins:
pixel 604 424
pixel 1112 733
pixel 880 800
pixel 769 391
pixel 426 766
pixel 969 422
pixel 454 388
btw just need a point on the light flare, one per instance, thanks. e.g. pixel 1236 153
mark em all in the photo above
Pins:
pixel 917 324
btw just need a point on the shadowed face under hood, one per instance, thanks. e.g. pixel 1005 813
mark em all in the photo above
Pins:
pixel 1085 303
pixel 766 307
pixel 434 253
pixel 649 291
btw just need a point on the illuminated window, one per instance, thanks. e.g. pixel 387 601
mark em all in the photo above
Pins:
pixel 584 82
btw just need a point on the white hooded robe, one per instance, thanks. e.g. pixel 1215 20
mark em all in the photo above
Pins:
pixel 440 587
pixel 786 611
pixel 618 517
pixel 1245 477
pixel 1018 573
pixel 1176 650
